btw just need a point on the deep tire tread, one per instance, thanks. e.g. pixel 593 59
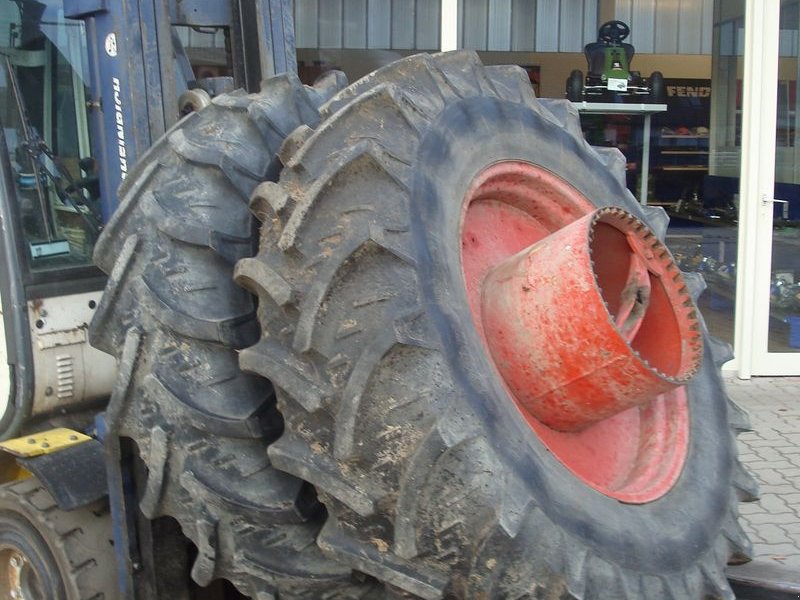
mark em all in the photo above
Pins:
pixel 202 426
pixel 409 504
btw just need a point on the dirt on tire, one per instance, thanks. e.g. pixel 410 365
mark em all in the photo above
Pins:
pixel 392 409
pixel 174 318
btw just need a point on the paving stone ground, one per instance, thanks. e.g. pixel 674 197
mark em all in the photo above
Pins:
pixel 771 452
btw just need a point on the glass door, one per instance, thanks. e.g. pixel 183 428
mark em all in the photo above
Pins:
pixel 771 185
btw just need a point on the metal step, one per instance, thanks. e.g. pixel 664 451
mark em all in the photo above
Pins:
pixel 762 580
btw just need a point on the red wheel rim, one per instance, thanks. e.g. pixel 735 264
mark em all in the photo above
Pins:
pixel 634 456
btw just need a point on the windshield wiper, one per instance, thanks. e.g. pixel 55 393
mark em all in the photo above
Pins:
pixel 36 149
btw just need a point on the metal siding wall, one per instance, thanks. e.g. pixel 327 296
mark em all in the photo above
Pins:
pixel 787 43
pixel 330 24
pixel 403 20
pixel 523 25
pixel 623 10
pixel 379 24
pixel 589 21
pixel 547 25
pixel 476 20
pixel 499 30
pixel 460 11
pixel 731 38
pixel 570 26
pixel 727 39
pixel 707 31
pixel 660 26
pixel 306 20
pixel 740 39
pixel 690 27
pixel 668 26
pixel 666 30
pixel 429 19
pixel 643 24
pixel 355 24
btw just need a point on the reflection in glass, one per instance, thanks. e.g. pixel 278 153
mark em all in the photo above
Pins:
pixel 703 232
pixel 784 313
pixel 43 114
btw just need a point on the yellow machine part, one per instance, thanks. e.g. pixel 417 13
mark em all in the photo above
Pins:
pixel 36 444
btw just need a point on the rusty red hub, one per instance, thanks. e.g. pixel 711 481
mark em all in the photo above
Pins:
pixel 588 323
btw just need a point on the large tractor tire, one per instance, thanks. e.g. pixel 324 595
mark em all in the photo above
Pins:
pixel 173 316
pixel 438 481
pixel 48 553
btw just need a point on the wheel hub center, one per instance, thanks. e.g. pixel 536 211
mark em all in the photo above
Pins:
pixel 15 565
pixel 590 321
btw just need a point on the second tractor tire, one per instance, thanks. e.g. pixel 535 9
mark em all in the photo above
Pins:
pixel 175 320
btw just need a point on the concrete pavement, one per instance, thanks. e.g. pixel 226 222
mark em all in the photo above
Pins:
pixel 772 454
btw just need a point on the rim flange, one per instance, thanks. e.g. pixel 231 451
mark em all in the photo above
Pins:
pixel 661 427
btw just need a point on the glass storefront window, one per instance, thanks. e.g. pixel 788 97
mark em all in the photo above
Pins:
pixel 784 305
pixel 703 208
pixel 695 146
pixel 696 184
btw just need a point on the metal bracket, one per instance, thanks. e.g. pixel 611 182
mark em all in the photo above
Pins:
pixel 70 464
pixel 45 442
pixel 766 200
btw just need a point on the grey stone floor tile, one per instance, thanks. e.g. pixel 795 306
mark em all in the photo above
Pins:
pixel 771 452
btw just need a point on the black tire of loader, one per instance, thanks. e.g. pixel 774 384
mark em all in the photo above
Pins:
pixel 70 553
pixel 173 316
pixel 658 89
pixel 575 86
pixel 392 409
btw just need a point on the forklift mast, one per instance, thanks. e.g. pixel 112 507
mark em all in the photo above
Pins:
pixel 138 69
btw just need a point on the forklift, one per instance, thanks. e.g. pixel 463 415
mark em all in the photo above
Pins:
pixel 86 89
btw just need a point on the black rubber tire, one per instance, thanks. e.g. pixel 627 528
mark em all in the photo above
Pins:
pixel 658 89
pixel 174 318
pixel 393 411
pixel 68 555
pixel 575 86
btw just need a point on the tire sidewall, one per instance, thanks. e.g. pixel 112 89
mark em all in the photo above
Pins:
pixel 18 532
pixel 467 137
pixel 658 90
pixel 575 86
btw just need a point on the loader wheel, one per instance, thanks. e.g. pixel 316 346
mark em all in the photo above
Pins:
pixel 173 316
pixel 449 470
pixel 575 86
pixel 49 554
pixel 658 89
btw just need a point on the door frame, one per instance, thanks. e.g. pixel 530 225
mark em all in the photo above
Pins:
pixel 759 119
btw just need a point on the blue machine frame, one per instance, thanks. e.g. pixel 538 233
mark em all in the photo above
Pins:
pixel 130 45
pixel 131 49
